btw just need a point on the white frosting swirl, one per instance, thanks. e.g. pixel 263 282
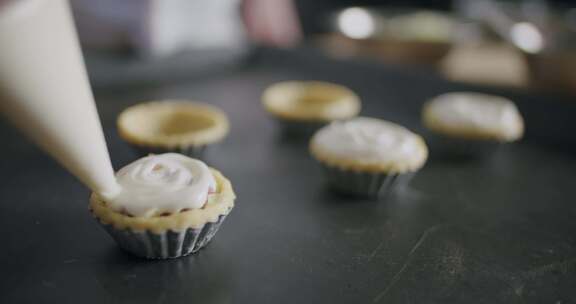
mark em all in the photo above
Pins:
pixel 165 183
pixel 370 140
pixel 476 111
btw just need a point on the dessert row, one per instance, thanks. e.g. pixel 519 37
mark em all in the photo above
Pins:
pixel 378 152
pixel 177 203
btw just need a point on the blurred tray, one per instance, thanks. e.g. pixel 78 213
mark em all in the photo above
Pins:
pixel 499 230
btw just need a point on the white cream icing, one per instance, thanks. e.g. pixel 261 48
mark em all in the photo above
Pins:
pixel 162 183
pixel 370 140
pixel 484 112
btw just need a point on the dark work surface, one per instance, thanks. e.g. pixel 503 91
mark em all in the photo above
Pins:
pixel 497 230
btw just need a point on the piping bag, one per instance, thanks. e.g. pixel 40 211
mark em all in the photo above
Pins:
pixel 45 92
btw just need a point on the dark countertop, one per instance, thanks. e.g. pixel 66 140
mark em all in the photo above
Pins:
pixel 497 230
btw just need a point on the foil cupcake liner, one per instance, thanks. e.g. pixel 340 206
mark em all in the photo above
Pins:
pixel 299 128
pixel 365 184
pixel 450 147
pixel 197 152
pixel 170 244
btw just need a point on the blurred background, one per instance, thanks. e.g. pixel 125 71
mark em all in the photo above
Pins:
pixel 524 44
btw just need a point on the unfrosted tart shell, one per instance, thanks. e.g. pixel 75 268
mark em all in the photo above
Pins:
pixel 219 203
pixel 172 124
pixel 310 101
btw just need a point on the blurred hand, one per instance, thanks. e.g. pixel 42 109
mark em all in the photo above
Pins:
pixel 272 22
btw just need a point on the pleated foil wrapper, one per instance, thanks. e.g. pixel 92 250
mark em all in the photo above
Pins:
pixel 449 147
pixel 299 128
pixel 197 152
pixel 365 184
pixel 167 245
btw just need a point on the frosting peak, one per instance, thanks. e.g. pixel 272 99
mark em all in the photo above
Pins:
pixel 165 183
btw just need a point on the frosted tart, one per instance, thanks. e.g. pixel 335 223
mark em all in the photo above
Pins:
pixel 368 156
pixel 471 124
pixel 170 205
pixel 474 116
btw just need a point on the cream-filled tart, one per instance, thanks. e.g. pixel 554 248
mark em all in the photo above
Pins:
pixel 474 116
pixel 172 126
pixel 471 123
pixel 368 156
pixel 169 205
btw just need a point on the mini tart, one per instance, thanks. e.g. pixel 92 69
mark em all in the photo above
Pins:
pixel 368 157
pixel 172 124
pixel 323 155
pixel 218 204
pixel 463 131
pixel 310 101
pixel 357 164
